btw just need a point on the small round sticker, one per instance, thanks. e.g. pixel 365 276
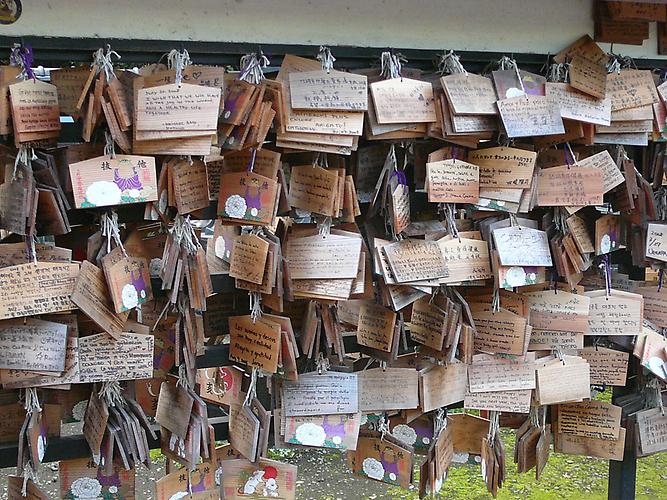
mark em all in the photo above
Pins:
pixel 10 11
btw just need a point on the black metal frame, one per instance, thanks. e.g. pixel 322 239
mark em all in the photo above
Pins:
pixel 63 51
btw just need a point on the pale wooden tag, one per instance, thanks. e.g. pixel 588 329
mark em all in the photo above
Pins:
pixel 389 389
pixel 337 431
pixel 69 82
pixel 248 258
pixel 376 326
pixel 101 358
pixel 530 115
pixel 13 254
pixel 329 393
pixel 543 339
pixel 468 431
pixel 570 186
pixel 178 108
pixel 264 162
pixel 494 373
pixel 243 478
pixel 190 182
pixel 442 386
pixel 314 121
pixel 561 311
pixel 522 246
pixel 313 189
pixel 608 366
pixel 651 426
pixel 584 46
pixel 590 419
pixel 428 323
pixel 588 76
pixel 608 234
pixel 466 259
pixel 563 381
pixel 31 289
pixel 198 484
pixel 655 304
pixel 34 107
pixel 656 242
pixel 452 181
pixel 221 386
pixel 39 346
pixel 591 447
pixel 415 260
pixel 576 105
pixel 76 474
pixel 91 295
pixel 128 279
pixel 619 313
pixel 499 332
pixel 631 88
pixel 517 401
pixel 254 344
pixel 504 167
pixel 579 232
pixel 247 197
pixel 332 90
pixel 95 423
pixel 403 100
pixel 334 257
pixel 470 94
pixel 174 408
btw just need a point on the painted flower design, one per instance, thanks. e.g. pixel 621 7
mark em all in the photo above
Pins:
pixel 405 433
pixel 253 212
pixel 129 296
pixel 515 276
pixel 103 193
pixel 162 202
pixel 220 248
pixel 373 468
pixel 310 434
pixel 235 206
pixel 134 193
pixel 155 266
pixel 178 495
pixel 337 440
pixel 86 487
pixel 79 410
pixel 41 447
pixel 605 244
pixel 113 489
pixel 460 458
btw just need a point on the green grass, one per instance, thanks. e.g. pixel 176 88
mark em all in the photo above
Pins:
pixel 564 477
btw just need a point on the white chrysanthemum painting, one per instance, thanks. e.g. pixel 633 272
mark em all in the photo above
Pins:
pixel 178 495
pixel 605 244
pixel 86 488
pixel 405 433
pixel 310 434
pixel 79 410
pixel 155 266
pixel 373 468
pixel 220 248
pixel 516 276
pixel 103 193
pixel 460 458
pixel 129 296
pixel 235 206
